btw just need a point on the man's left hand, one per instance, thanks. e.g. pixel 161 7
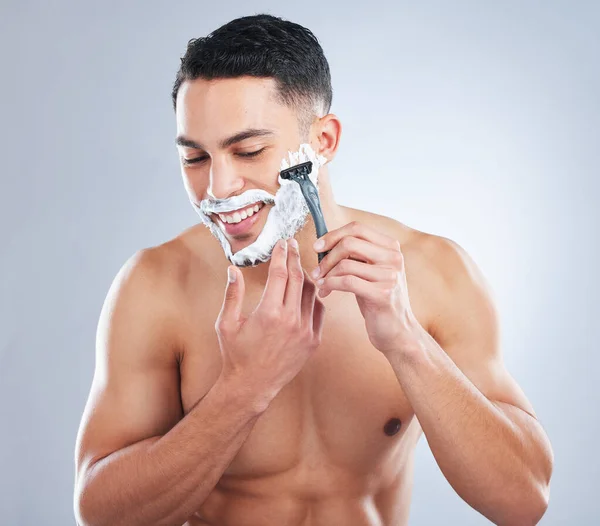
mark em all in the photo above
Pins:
pixel 370 264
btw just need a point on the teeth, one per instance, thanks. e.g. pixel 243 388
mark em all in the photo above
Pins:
pixel 238 216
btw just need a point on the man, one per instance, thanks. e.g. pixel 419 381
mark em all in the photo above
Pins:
pixel 274 397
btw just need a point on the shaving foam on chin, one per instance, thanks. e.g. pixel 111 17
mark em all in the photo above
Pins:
pixel 287 216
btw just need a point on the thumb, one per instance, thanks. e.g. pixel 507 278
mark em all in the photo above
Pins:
pixel 234 296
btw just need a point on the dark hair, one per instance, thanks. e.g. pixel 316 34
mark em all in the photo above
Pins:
pixel 264 46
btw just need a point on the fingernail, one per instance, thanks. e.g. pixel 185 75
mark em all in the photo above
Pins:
pixel 282 244
pixel 231 275
pixel 294 242
pixel 315 273
pixel 319 244
pixel 320 282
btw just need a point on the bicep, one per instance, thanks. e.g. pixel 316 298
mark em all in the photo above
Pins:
pixel 467 328
pixel 135 389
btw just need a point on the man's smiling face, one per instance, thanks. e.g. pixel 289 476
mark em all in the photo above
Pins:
pixel 232 135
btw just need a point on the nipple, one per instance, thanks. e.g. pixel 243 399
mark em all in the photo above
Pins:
pixel 392 426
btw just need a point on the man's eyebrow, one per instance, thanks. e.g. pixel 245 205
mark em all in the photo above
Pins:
pixel 181 140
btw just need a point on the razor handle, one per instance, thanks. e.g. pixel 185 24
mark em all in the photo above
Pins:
pixel 314 205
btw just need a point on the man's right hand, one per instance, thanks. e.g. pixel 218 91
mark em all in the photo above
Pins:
pixel 267 349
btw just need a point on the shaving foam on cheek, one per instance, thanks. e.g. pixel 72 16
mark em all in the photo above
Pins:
pixel 304 154
pixel 286 217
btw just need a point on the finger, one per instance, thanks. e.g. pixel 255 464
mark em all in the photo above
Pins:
pixel 318 318
pixel 277 278
pixel 374 292
pixel 358 230
pixel 366 271
pixel 293 291
pixel 231 309
pixel 358 249
pixel 309 293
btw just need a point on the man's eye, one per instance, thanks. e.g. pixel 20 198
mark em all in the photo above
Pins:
pixel 195 160
pixel 250 154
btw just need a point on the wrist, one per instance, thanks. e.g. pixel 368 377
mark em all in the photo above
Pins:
pixel 242 392
pixel 410 345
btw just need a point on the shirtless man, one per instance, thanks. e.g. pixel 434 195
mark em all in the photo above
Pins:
pixel 277 397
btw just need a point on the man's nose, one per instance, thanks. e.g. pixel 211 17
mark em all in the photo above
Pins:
pixel 224 180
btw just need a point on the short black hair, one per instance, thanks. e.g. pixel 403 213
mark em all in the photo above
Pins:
pixel 264 45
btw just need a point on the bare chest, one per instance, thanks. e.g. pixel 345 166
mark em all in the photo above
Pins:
pixel 344 413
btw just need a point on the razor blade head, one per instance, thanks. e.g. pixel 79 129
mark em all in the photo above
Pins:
pixel 298 171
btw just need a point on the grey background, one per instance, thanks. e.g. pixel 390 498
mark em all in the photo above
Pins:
pixel 473 120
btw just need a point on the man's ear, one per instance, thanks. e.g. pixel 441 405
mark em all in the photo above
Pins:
pixel 327 133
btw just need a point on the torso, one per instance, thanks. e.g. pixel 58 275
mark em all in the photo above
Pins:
pixel 336 445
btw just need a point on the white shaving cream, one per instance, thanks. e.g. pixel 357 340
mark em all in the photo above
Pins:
pixel 286 217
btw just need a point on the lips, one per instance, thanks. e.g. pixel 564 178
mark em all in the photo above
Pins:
pixel 243 226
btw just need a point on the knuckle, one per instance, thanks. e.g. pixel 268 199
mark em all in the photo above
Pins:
pixel 230 294
pixel 386 293
pixel 296 274
pixel 289 321
pixel 316 340
pixel 348 280
pixel 346 242
pixel 306 332
pixel 221 326
pixel 279 272
pixel 345 265
pixel 270 316
pixel 391 275
pixel 397 257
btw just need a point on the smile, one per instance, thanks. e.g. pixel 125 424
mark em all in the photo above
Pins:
pixel 241 221
pixel 239 215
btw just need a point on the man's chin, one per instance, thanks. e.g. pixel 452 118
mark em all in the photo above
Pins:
pixel 240 242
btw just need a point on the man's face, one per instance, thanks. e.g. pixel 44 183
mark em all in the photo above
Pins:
pixel 238 133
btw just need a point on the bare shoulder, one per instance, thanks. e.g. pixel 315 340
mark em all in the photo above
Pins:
pixel 148 289
pixel 166 267
pixel 437 255
pixel 384 224
pixel 437 267
pixel 460 298
pixel 424 253
pixel 153 272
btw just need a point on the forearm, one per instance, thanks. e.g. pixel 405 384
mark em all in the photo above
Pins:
pixel 494 455
pixel 164 480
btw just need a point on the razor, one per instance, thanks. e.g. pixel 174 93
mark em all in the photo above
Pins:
pixel 299 173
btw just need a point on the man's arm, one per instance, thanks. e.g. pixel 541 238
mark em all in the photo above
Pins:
pixel 480 427
pixel 137 460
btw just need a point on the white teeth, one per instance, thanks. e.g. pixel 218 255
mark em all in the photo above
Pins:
pixel 238 216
